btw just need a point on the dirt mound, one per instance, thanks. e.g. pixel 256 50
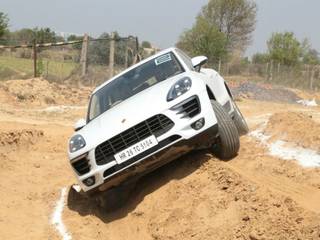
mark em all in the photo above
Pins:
pixel 23 137
pixel 41 92
pixel 197 197
pixel 295 127
pixel 263 92
pixel 226 206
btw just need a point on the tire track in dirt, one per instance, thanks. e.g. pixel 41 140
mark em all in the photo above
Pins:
pixel 307 196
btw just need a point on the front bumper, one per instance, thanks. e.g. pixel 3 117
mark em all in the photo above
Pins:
pixel 177 141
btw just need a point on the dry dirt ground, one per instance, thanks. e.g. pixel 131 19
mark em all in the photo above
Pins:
pixel 254 196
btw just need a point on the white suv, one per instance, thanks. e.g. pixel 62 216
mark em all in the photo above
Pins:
pixel 151 114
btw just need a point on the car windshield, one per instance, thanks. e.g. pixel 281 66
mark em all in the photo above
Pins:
pixel 133 82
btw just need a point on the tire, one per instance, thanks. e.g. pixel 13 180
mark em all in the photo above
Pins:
pixel 228 143
pixel 239 121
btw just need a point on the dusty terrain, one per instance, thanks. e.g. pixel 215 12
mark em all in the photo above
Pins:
pixel 254 196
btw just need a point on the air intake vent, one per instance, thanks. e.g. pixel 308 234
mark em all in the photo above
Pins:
pixel 82 166
pixel 157 125
pixel 188 108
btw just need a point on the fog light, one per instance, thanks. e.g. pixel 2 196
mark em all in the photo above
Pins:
pixel 89 181
pixel 198 124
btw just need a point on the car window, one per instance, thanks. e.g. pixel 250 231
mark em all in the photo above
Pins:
pixel 136 80
pixel 186 59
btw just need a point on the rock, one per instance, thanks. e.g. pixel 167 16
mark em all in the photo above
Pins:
pixel 138 213
pixel 299 220
pixel 36 165
pixel 246 218
pixel 253 236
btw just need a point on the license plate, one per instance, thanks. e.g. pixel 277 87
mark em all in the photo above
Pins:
pixel 136 149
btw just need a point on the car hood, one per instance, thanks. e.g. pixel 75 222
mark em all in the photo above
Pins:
pixel 128 113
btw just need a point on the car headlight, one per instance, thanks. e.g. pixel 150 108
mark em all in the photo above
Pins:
pixel 76 143
pixel 180 87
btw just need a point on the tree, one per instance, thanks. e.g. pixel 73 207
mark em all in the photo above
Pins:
pixel 146 44
pixel 260 58
pixel 99 50
pixel 4 23
pixel 27 35
pixel 23 36
pixel 235 18
pixel 284 48
pixel 309 55
pixel 73 37
pixel 204 39
pixel 44 35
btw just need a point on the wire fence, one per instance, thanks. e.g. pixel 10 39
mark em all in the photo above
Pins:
pixel 87 62
pixel 301 76
pixel 90 61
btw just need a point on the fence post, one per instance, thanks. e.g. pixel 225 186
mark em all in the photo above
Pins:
pixel 271 71
pixel 84 51
pixel 35 58
pixel 111 56
pixel 312 78
pixel 137 57
pixel 267 71
pixel 47 74
pixel 126 55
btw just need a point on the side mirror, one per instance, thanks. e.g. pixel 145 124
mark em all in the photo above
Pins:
pixel 79 124
pixel 197 62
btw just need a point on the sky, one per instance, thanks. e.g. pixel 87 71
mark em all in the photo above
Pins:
pixel 158 21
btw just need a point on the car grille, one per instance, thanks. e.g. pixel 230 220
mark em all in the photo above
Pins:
pixel 188 108
pixel 82 166
pixel 157 126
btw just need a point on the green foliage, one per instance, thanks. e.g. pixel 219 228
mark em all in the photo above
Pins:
pixel 4 21
pixel 120 50
pixel 27 36
pixel 260 58
pixel 204 39
pixel 98 52
pixel 146 44
pixel 309 55
pixel 75 38
pixel 24 36
pixel 44 35
pixel 235 18
pixel 245 61
pixel 284 48
pixel 40 67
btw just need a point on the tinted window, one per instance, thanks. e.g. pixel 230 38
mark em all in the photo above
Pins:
pixel 133 82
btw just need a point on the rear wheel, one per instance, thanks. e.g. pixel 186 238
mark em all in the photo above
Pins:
pixel 239 121
pixel 228 143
